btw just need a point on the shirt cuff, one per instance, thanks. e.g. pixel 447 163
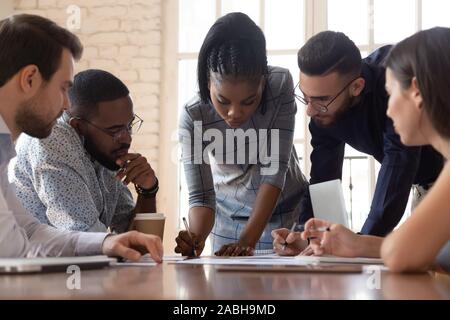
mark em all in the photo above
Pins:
pixel 203 205
pixel 90 243
pixel 277 181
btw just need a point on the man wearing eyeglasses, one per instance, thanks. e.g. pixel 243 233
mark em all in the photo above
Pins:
pixel 77 178
pixel 347 102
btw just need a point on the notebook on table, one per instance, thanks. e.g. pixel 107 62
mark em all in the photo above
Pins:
pixel 54 264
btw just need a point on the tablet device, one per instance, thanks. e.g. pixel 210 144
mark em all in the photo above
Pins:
pixel 328 202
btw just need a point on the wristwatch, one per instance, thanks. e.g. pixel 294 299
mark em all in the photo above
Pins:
pixel 148 193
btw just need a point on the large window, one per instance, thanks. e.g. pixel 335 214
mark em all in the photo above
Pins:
pixel 371 24
pixel 286 24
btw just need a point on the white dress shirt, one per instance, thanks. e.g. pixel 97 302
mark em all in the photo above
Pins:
pixel 21 234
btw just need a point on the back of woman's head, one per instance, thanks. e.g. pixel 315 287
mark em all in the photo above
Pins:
pixel 426 56
pixel 234 47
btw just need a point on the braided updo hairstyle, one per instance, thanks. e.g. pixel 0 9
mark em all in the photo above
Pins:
pixel 234 47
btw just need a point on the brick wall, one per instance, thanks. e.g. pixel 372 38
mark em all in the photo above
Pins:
pixel 124 38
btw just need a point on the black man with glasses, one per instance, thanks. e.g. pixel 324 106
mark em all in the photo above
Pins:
pixel 346 99
pixel 77 178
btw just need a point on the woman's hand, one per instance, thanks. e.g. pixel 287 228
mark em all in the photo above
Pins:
pixel 334 239
pixel 235 249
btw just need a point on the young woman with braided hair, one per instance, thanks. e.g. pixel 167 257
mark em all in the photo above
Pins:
pixel 239 194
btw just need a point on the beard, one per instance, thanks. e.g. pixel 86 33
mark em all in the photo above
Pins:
pixel 108 162
pixel 329 121
pixel 29 121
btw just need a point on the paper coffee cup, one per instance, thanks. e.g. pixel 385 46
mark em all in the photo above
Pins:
pixel 149 223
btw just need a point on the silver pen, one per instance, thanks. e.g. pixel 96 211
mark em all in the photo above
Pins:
pixel 292 230
pixel 190 235
pixel 301 228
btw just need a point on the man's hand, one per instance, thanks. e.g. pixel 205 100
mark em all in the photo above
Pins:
pixel 136 169
pixel 127 245
pixel 186 244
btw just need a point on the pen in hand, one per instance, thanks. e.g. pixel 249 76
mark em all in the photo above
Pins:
pixel 301 228
pixel 314 229
pixel 292 230
pixel 190 235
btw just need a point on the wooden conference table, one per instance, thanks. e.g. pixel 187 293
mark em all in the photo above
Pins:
pixel 191 282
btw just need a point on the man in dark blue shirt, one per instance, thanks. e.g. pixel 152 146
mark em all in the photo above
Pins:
pixel 347 102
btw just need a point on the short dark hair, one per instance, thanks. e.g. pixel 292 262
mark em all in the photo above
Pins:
pixel 426 56
pixel 329 52
pixel 234 46
pixel 91 87
pixel 33 40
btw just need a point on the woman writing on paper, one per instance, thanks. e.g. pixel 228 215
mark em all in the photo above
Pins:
pixel 240 165
pixel 418 82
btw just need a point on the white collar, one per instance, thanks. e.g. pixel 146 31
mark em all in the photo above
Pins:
pixel 3 127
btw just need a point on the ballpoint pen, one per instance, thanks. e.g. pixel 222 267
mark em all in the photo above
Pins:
pixel 314 229
pixel 292 230
pixel 190 235
pixel 301 228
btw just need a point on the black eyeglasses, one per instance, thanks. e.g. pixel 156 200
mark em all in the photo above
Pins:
pixel 119 134
pixel 322 108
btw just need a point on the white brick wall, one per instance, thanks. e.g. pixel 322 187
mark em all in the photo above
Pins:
pixel 124 38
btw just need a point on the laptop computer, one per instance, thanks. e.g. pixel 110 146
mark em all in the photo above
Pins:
pixel 54 264
pixel 328 202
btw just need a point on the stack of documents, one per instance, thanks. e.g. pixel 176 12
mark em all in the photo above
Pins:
pixel 266 261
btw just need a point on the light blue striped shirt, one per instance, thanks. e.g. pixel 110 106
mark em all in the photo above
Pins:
pixel 60 184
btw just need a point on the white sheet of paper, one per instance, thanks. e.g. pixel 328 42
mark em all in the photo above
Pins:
pixel 147 261
pixel 173 258
pixel 334 259
pixel 274 259
pixel 251 260
pixel 327 199
pixel 134 264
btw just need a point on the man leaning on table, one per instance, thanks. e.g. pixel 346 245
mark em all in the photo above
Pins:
pixel 37 61
pixel 71 180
